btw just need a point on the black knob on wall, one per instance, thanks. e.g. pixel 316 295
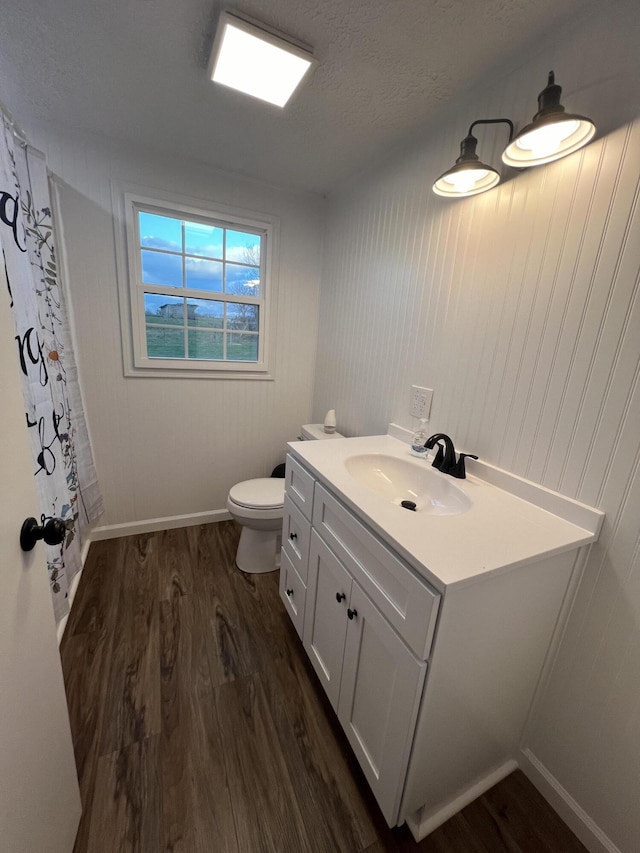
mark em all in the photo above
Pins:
pixel 52 530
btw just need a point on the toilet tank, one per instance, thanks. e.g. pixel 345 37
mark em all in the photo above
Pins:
pixel 315 432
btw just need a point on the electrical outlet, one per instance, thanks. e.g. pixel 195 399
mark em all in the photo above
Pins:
pixel 421 401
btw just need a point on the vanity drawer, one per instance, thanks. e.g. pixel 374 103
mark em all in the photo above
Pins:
pixel 293 592
pixel 299 485
pixel 409 603
pixel 296 532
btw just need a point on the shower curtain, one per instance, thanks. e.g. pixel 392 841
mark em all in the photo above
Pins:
pixel 62 459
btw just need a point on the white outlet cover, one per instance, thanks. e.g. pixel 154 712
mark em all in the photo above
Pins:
pixel 421 401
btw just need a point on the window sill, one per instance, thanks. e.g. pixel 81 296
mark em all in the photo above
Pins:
pixel 188 372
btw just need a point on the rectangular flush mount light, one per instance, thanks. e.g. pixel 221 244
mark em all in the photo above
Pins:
pixel 257 61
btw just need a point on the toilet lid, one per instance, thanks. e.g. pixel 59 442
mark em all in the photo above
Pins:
pixel 265 493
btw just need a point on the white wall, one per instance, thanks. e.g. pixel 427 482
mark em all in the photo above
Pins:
pixel 167 447
pixel 520 308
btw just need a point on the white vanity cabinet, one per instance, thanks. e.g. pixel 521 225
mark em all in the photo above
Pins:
pixel 434 719
pixel 370 663
pixel 372 678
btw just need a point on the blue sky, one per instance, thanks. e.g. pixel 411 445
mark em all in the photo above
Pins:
pixel 205 241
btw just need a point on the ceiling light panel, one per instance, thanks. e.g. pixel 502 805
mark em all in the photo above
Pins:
pixel 257 62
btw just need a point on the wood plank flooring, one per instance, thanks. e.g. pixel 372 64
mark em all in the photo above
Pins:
pixel 199 725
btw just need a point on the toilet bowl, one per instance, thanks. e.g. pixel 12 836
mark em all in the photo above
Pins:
pixel 258 506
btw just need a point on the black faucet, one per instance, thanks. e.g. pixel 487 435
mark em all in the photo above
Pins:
pixel 446 456
pixel 445 460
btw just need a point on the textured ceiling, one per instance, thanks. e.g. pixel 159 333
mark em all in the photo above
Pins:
pixel 135 70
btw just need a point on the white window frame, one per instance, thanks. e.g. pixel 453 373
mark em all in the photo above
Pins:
pixel 127 203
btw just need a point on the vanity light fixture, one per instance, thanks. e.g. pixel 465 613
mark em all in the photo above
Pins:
pixel 469 176
pixel 552 133
pixel 254 59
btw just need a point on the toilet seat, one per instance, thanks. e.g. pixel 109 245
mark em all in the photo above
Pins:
pixel 258 507
pixel 265 493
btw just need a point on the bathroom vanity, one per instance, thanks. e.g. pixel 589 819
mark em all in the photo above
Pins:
pixel 429 629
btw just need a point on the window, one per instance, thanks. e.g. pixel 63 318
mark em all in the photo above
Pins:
pixel 199 290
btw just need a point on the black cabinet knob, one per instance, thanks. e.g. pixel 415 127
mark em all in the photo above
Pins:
pixel 52 530
pixel 293 536
pixel 352 613
pixel 340 596
pixel 289 592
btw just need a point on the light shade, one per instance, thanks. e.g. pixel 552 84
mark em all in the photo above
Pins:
pixel 257 61
pixel 552 134
pixel 468 176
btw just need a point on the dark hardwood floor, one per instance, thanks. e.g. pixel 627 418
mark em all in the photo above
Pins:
pixel 199 725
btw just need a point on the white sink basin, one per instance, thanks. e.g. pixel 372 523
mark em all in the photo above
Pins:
pixel 398 480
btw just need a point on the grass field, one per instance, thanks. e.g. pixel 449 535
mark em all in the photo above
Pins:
pixel 163 342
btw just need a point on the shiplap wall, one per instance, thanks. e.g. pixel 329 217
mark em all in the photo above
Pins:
pixel 520 309
pixel 170 447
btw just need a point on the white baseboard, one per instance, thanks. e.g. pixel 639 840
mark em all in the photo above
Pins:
pixel 85 550
pixel 589 833
pixel 422 825
pixel 73 588
pixel 150 525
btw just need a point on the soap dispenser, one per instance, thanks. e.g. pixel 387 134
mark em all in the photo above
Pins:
pixel 330 422
pixel 419 439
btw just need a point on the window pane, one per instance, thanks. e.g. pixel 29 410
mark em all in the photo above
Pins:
pixel 203 240
pixel 167 310
pixel 159 268
pixel 243 248
pixel 165 343
pixel 198 289
pixel 204 275
pixel 242 281
pixel 242 347
pixel 243 318
pixel 205 313
pixel 160 232
pixel 206 345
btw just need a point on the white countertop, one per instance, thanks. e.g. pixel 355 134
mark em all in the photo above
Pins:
pixel 501 531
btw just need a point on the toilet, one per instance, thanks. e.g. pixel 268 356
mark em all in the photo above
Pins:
pixel 258 506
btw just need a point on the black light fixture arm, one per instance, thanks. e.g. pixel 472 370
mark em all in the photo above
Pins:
pixel 493 121
pixel 469 176
pixel 469 143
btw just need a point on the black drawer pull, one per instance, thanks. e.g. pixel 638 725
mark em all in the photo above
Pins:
pixel 293 536
pixel 289 592
pixel 351 613
pixel 340 596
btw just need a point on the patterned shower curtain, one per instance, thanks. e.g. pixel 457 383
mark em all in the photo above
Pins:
pixel 63 462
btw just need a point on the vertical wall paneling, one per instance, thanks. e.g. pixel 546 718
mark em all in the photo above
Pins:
pixel 172 447
pixel 520 308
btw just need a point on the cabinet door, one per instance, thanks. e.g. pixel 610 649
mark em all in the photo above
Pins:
pixel 325 621
pixel 292 592
pixel 381 687
pixel 296 531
